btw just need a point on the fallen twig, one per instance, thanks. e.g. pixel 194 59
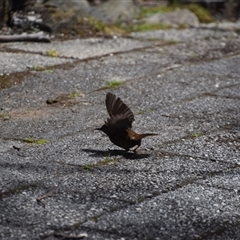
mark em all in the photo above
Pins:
pixel 48 194
pixel 32 37
pixel 79 236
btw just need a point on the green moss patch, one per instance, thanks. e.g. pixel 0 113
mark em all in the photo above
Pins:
pixel 36 141
pixel 114 83
pixel 203 15
pixel 52 53
pixel 75 95
pixel 196 135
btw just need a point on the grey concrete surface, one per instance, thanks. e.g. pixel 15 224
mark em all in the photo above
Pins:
pixel 75 184
pixel 83 48
pixel 185 34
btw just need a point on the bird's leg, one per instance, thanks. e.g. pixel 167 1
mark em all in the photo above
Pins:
pixel 135 149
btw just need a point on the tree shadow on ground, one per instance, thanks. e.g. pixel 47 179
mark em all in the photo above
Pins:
pixel 114 153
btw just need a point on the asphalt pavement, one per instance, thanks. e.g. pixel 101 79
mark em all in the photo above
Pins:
pixel 60 179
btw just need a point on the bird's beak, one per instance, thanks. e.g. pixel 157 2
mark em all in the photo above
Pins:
pixel 98 129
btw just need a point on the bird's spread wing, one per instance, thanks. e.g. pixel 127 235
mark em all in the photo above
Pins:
pixel 120 114
pixel 119 122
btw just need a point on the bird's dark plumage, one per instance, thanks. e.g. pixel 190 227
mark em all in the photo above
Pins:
pixel 118 126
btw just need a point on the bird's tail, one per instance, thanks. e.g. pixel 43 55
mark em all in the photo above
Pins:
pixel 143 135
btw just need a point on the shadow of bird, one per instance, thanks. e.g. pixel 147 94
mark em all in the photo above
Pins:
pixel 115 153
pixel 119 126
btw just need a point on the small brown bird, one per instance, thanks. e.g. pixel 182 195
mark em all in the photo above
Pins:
pixel 118 126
